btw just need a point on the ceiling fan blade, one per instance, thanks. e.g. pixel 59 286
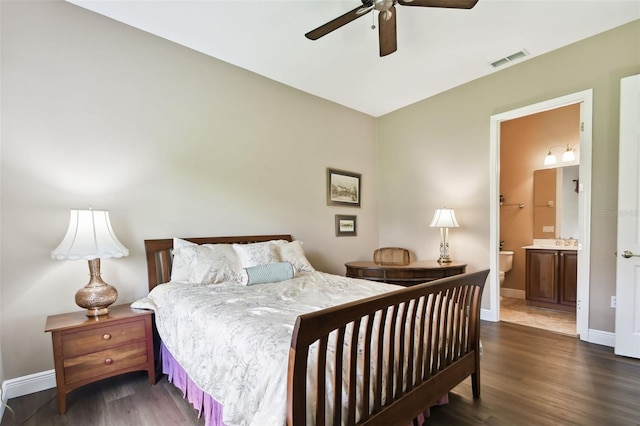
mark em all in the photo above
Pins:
pixel 325 29
pixel 387 31
pixel 455 4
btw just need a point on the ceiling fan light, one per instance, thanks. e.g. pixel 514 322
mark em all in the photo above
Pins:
pixel 383 5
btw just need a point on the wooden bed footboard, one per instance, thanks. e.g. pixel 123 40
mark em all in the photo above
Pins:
pixel 397 354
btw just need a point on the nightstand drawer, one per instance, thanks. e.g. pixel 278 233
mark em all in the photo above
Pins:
pixel 105 362
pixel 100 338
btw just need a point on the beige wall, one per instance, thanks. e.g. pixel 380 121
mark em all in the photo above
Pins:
pixel 524 143
pixel 172 142
pixel 176 143
pixel 436 152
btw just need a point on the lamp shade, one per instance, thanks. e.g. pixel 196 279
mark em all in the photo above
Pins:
pixel 568 156
pixel 550 159
pixel 89 237
pixel 444 218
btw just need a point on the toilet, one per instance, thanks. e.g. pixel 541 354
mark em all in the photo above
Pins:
pixel 505 263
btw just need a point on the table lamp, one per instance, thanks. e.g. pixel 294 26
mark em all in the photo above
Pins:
pixel 444 219
pixel 91 237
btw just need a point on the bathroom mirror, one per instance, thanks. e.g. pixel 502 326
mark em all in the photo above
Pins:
pixel 555 202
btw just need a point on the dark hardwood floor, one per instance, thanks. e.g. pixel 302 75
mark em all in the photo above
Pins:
pixel 529 377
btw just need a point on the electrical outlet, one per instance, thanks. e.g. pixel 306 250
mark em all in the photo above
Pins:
pixel 613 302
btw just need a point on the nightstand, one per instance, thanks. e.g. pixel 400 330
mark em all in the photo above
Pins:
pixel 88 349
pixel 407 275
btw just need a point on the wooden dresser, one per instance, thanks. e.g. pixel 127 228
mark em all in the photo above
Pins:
pixel 413 273
pixel 88 349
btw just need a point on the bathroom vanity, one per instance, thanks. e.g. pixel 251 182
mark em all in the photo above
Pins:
pixel 552 276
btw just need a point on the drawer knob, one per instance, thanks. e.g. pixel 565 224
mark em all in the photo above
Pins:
pixel 108 361
pixel 106 336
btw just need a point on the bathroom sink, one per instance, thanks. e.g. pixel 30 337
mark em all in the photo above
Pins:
pixel 554 244
pixel 550 247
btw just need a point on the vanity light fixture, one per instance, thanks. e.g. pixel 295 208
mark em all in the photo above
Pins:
pixel 444 219
pixel 567 156
pixel 90 237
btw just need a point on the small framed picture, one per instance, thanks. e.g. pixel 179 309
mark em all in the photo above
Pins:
pixel 345 226
pixel 343 188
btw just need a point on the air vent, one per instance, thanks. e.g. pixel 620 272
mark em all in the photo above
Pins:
pixel 513 57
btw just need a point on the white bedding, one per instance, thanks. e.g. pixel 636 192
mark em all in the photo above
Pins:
pixel 234 340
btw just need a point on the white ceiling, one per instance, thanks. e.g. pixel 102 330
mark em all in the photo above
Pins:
pixel 438 49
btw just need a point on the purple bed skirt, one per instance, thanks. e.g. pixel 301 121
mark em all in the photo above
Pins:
pixel 205 404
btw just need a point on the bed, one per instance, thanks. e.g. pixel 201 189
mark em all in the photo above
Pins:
pixel 306 347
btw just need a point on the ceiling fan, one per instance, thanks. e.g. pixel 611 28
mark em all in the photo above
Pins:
pixel 386 18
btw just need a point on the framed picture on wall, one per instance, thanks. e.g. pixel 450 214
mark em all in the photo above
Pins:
pixel 343 188
pixel 345 226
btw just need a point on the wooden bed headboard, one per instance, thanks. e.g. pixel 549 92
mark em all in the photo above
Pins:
pixel 159 252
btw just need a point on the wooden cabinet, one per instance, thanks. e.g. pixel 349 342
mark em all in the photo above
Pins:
pixel 88 349
pixel 568 274
pixel 414 273
pixel 551 278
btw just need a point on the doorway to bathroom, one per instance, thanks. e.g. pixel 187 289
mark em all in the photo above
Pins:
pixel 520 141
pixel 539 219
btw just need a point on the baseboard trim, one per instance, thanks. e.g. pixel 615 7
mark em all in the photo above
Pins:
pixel 31 383
pixel 20 386
pixel 512 292
pixel 488 315
pixel 604 338
pixel 3 400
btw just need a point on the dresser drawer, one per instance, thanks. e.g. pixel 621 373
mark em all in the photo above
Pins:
pixel 100 338
pixel 410 274
pixel 434 275
pixel 105 362
pixel 407 274
pixel 370 273
pixel 365 273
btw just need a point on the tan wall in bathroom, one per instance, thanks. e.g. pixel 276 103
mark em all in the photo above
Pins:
pixel 524 142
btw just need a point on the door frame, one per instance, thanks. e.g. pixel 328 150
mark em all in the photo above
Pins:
pixel 585 99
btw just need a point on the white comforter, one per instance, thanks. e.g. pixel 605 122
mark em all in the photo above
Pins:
pixel 234 340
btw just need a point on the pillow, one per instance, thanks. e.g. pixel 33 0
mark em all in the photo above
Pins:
pixel 255 254
pixel 293 253
pixel 180 269
pixel 269 273
pixel 211 263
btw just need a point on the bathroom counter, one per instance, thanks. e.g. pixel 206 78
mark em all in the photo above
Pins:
pixel 554 244
pixel 541 247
